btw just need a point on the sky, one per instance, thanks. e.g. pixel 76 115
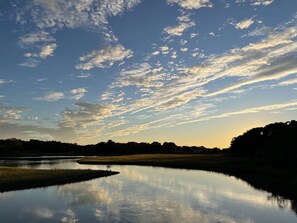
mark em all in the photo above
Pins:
pixel 193 72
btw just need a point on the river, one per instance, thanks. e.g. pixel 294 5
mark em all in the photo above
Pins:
pixel 142 194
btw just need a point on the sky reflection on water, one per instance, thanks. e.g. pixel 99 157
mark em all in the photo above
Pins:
pixel 144 194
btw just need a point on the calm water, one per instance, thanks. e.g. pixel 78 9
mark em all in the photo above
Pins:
pixel 142 194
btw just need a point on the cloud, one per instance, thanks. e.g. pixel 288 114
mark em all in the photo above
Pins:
pixel 155 53
pixel 288 82
pixel 191 4
pixel 244 24
pixel 87 14
pixel 47 50
pixel 140 75
pixel 262 2
pixel 74 13
pixel 9 129
pixel 43 213
pixel 104 58
pixel 31 62
pixel 180 99
pixel 34 38
pixel 193 35
pixel 268 59
pixel 2 81
pixel 37 41
pixel 87 114
pixel 52 96
pixel 11 113
pixel 164 49
pixel 267 108
pixel 84 75
pixel 78 93
pixel 184 24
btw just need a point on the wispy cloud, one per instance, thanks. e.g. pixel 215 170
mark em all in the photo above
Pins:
pixel 104 58
pixel 47 50
pixel 41 44
pixel 191 4
pixel 2 81
pixel 269 59
pixel 244 24
pixel 84 75
pixel 30 62
pixel 34 38
pixel 11 113
pixel 288 82
pixel 266 108
pixel 262 2
pixel 52 96
pixel 87 114
pixel 87 14
pixel 76 94
pixel 184 23
pixel 140 75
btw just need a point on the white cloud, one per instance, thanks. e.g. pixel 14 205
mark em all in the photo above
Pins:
pixel 74 13
pixel 52 96
pixel 191 4
pixel 31 62
pixel 2 81
pixel 47 50
pixel 193 35
pixel 140 75
pixel 184 24
pixel 35 38
pixel 164 49
pixel 269 59
pixel 288 82
pixel 183 42
pixel 37 41
pixel 262 2
pixel 244 24
pixel 267 108
pixel 84 75
pixel 180 99
pixel 87 114
pixel 78 93
pixel 10 113
pixel 155 53
pixel 104 58
pixel 86 14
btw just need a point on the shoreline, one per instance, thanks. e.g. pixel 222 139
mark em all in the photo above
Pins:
pixel 12 178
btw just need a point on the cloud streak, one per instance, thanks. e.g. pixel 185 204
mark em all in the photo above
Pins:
pixel 104 58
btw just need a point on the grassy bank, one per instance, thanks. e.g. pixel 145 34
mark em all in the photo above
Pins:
pixel 279 181
pixel 17 178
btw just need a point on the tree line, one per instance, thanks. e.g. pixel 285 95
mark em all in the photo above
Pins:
pixel 273 141
pixel 276 141
pixel 17 147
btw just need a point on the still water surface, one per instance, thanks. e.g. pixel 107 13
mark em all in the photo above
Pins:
pixel 142 194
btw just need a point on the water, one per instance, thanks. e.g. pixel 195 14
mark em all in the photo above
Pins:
pixel 142 194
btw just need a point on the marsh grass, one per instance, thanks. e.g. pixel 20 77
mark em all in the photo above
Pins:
pixel 12 178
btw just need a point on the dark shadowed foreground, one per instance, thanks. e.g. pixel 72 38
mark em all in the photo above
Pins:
pixel 18 178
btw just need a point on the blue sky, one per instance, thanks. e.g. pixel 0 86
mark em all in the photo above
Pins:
pixel 195 72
